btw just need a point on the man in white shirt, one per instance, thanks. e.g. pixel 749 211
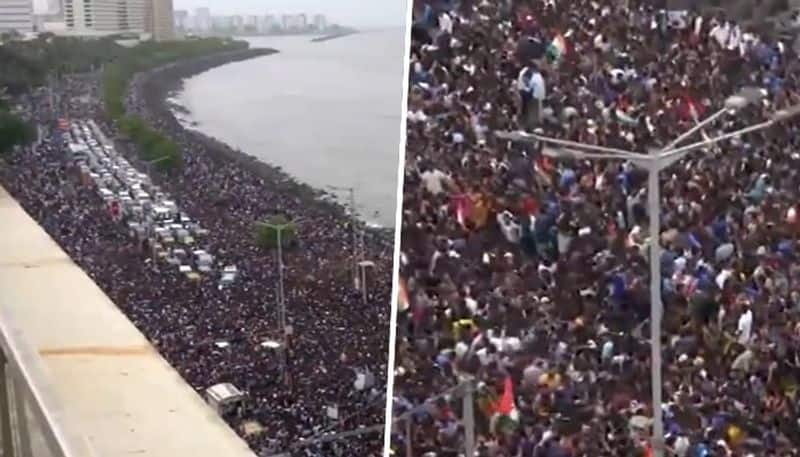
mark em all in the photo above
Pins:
pixel 532 90
pixel 434 180
pixel 745 327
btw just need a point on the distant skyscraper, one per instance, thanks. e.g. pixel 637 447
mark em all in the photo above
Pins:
pixel 54 6
pixel 270 22
pixel 16 15
pixel 181 20
pixel 222 23
pixel 251 22
pixel 237 22
pixel 202 18
pixel 161 23
pixel 302 21
pixel 320 22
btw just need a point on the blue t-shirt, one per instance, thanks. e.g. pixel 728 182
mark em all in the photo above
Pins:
pixel 700 450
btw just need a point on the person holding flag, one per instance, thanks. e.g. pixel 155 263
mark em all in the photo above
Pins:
pixel 557 49
pixel 504 414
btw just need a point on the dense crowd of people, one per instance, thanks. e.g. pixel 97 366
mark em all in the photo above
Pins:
pixel 335 335
pixel 526 276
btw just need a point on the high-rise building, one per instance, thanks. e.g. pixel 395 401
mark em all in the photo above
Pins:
pixel 251 23
pixel 287 22
pixel 181 20
pixel 222 23
pixel 105 17
pixel 16 15
pixel 268 23
pixel 202 20
pixel 237 22
pixel 54 7
pixel 320 22
pixel 160 21
pixel 294 22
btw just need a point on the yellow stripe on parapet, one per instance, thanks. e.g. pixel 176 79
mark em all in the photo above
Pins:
pixel 110 351
pixel 38 263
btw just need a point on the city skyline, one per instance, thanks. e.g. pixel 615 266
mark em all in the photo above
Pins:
pixel 355 13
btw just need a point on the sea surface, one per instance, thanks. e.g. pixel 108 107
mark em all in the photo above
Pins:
pixel 328 112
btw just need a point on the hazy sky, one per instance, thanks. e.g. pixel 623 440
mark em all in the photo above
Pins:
pixel 357 13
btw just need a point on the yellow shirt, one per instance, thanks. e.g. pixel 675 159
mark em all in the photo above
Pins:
pixel 551 380
pixel 469 324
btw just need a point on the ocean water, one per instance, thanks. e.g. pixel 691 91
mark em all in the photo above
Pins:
pixel 328 112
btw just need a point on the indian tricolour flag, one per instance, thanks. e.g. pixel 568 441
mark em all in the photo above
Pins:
pixel 402 296
pixel 558 48
pixel 505 415
pixel 462 207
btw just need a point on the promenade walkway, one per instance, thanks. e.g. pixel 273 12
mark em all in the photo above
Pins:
pixel 117 389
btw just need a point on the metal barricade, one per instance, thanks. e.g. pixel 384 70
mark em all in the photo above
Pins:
pixel 33 422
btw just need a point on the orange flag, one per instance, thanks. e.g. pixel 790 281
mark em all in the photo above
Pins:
pixel 402 296
pixel 506 403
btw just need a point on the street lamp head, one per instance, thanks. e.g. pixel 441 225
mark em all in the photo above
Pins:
pixel 786 114
pixel 515 136
pixel 555 152
pixel 745 96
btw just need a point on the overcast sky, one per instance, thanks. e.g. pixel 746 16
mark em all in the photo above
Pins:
pixel 356 13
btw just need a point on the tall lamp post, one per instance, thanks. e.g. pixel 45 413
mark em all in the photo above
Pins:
pixel 654 164
pixel 363 266
pixel 284 329
pixel 353 218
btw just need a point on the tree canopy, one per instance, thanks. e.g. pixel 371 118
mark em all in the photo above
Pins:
pixel 266 232
pixel 14 131
pixel 153 146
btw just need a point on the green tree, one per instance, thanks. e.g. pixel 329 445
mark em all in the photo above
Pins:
pixel 13 132
pixel 266 232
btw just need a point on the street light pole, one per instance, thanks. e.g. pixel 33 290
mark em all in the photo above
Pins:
pixel 656 307
pixel 354 226
pixel 279 228
pixel 363 265
pixel 356 250
pixel 409 443
pixel 281 302
pixel 469 422
pixel 654 164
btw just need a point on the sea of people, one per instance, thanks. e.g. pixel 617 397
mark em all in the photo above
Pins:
pixel 335 334
pixel 526 276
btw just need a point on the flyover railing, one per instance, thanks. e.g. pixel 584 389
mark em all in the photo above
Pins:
pixel 33 422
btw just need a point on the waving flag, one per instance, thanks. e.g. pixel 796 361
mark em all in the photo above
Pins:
pixel 690 109
pixel 557 49
pixel 505 415
pixel 462 206
pixel 402 296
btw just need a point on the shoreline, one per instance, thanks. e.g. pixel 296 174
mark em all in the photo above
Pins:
pixel 159 84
